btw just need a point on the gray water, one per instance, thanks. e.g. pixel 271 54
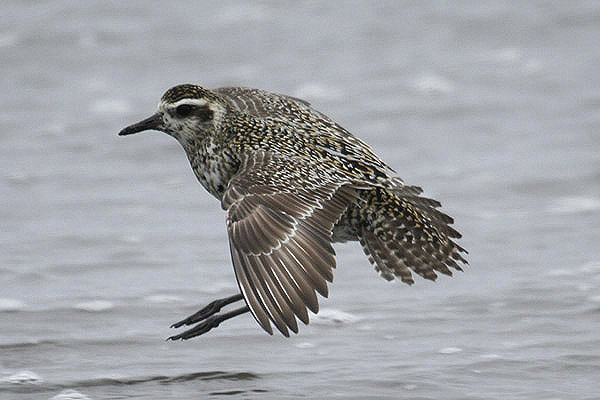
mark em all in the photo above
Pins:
pixel 492 107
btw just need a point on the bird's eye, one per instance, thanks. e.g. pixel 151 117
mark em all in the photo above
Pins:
pixel 184 110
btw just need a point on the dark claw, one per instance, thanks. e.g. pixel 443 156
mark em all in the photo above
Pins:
pixel 200 329
pixel 210 309
pixel 211 322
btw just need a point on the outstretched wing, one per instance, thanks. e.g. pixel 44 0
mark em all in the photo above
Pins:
pixel 279 221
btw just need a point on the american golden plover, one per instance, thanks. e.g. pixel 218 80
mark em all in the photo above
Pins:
pixel 293 181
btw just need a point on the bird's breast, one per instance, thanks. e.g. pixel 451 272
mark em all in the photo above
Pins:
pixel 213 171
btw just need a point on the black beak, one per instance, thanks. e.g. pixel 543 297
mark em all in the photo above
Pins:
pixel 153 122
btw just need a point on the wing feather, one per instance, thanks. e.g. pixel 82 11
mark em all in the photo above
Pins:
pixel 286 304
pixel 248 292
pixel 280 236
pixel 295 270
pixel 266 299
pixel 291 287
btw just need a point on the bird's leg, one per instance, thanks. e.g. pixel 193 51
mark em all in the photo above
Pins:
pixel 211 322
pixel 210 309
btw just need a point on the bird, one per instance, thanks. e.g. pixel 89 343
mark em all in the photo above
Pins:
pixel 293 182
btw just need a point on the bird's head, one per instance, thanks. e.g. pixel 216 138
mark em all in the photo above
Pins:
pixel 186 112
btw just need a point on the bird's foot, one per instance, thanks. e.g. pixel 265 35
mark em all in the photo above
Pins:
pixel 209 323
pixel 210 309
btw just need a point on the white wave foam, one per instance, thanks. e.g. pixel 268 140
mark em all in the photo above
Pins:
pixel 513 56
pixel 491 356
pixel 70 394
pixel 532 66
pixel 131 239
pixel 450 350
pixel 55 127
pixel 87 40
pixel 8 39
pixel 315 90
pixel 561 272
pixel 95 306
pixel 19 177
pixel 574 204
pixel 242 13
pixel 110 106
pixel 334 317
pixel 594 299
pixel 432 84
pixel 162 298
pixel 9 305
pixel 95 84
pixel 23 378
pixel 591 267
pixel 584 287
pixel 217 287
pixel 506 55
pixel 305 345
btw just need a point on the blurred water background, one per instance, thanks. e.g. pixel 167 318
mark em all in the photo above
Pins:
pixel 492 107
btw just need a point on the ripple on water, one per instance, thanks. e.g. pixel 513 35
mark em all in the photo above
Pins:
pixel 23 378
pixel 8 39
pixel 11 305
pixel 70 394
pixel 432 84
pixel 200 376
pixel 305 345
pixel 330 316
pixel 95 306
pixel 590 268
pixel 162 298
pixel 110 106
pixel 513 56
pixel 241 13
pixel 506 55
pixel 218 287
pixel 574 205
pixel 491 356
pixel 450 350
pixel 314 90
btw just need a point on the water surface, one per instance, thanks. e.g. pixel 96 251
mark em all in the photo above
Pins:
pixel 105 241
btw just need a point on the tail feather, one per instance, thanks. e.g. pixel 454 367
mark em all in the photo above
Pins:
pixel 384 259
pixel 402 231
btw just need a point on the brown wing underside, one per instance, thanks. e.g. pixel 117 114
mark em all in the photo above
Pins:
pixel 280 237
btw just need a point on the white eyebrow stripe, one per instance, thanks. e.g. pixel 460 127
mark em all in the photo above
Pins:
pixel 193 102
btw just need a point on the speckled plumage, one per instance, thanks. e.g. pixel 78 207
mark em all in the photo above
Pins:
pixel 293 181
